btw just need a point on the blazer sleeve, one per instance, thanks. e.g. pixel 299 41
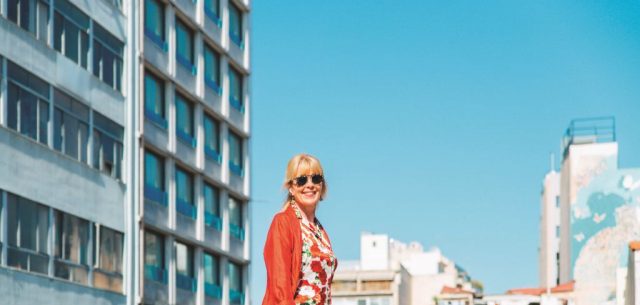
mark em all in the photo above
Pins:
pixel 278 258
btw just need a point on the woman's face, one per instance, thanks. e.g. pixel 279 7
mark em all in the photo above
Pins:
pixel 308 194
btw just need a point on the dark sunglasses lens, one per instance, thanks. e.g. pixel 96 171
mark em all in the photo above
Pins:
pixel 302 180
pixel 317 179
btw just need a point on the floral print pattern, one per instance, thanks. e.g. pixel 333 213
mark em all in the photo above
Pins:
pixel 318 266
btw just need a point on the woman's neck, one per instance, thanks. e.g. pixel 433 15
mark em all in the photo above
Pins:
pixel 307 211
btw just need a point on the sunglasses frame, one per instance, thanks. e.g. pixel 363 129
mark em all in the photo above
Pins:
pixel 306 179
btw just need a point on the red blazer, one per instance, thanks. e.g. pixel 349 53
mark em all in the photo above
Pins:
pixel 283 258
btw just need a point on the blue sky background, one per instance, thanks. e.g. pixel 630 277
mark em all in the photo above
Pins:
pixel 434 120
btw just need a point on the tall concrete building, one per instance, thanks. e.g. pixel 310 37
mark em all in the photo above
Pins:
pixel 599 213
pixel 124 151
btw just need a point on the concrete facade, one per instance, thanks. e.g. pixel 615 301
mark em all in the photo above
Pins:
pixel 549 252
pixel 59 168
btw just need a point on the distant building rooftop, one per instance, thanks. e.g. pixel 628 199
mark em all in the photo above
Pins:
pixel 588 131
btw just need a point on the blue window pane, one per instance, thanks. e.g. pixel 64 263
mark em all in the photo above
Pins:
pixel 184 116
pixel 235 25
pixel 154 96
pixel 154 257
pixel 211 136
pixel 154 171
pixel 154 18
pixel 235 89
pixel 184 42
pixel 212 69
pixel 211 273
pixel 211 200
pixel 235 151
pixel 184 186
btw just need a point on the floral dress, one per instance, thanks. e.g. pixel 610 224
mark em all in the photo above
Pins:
pixel 318 265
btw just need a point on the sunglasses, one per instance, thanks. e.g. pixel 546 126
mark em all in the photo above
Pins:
pixel 302 180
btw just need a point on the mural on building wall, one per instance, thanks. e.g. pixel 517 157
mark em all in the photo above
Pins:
pixel 604 218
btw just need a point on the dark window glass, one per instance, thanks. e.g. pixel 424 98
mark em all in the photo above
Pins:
pixel 235 24
pixel 184 116
pixel 71 126
pixel 28 230
pixel 185 278
pixel 212 69
pixel 235 153
pixel 235 88
pixel 107 57
pixel 211 137
pixel 154 170
pixel 110 250
pixel 71 248
pixel 154 19
pixel 71 32
pixel 211 272
pixel 154 258
pixel 154 96
pixel 184 44
pixel 107 145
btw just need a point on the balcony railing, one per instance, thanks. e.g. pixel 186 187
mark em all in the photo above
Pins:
pixel 236 231
pixel 186 138
pixel 155 118
pixel 155 274
pixel 236 297
pixel 185 282
pixel 212 220
pixel 187 63
pixel 156 39
pixel 236 169
pixel 156 195
pixel 186 208
pixel 71 271
pixel 213 290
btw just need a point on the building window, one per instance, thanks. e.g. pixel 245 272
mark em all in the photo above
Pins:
pixel 558 231
pixel 71 32
pixel 70 126
pixel 185 278
pixel 154 106
pixel 235 154
pixel 211 276
pixel 108 274
pixel 184 121
pixel 236 295
pixel 154 22
pixel 557 201
pixel 236 227
pixel 107 145
pixel 33 19
pixel 212 206
pixel 211 139
pixel 28 230
pixel 235 25
pixel 107 57
pixel 184 193
pixel 184 46
pixel 154 189
pixel 72 248
pixel 154 259
pixel 212 10
pixel 235 89
pixel 212 69
pixel 28 103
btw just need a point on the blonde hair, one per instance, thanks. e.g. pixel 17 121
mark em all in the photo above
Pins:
pixel 299 165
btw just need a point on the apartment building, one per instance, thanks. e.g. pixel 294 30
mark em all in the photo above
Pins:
pixel 124 151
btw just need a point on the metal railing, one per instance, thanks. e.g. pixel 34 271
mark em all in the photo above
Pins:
pixel 589 130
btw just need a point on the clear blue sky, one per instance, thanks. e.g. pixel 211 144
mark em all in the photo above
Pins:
pixel 434 120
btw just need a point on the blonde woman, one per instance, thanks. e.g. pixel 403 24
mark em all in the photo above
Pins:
pixel 298 255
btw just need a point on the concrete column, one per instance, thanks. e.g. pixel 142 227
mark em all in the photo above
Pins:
pixel 90 253
pixel 3 228
pixel 199 61
pixel 170 26
pixel 199 134
pixel 224 216
pixel 170 95
pixel 224 279
pixel 170 251
pixel 50 240
pixel 224 85
pixel 199 202
pixel 224 147
pixel 51 117
pixel 224 17
pixel 171 190
pixel 3 90
pixel 199 275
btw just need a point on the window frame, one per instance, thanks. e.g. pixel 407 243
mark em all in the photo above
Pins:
pixel 236 89
pixel 236 168
pixel 212 78
pixel 82 155
pixel 211 138
pixel 183 135
pixel 236 13
pixel 155 193
pixel 185 206
pixel 158 38
pixel 212 216
pixel 157 273
pixel 159 119
pixel 188 279
pixel 188 61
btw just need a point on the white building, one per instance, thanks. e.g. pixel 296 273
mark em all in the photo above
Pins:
pixel 124 140
pixel 390 272
pixel 549 251
pixel 599 208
